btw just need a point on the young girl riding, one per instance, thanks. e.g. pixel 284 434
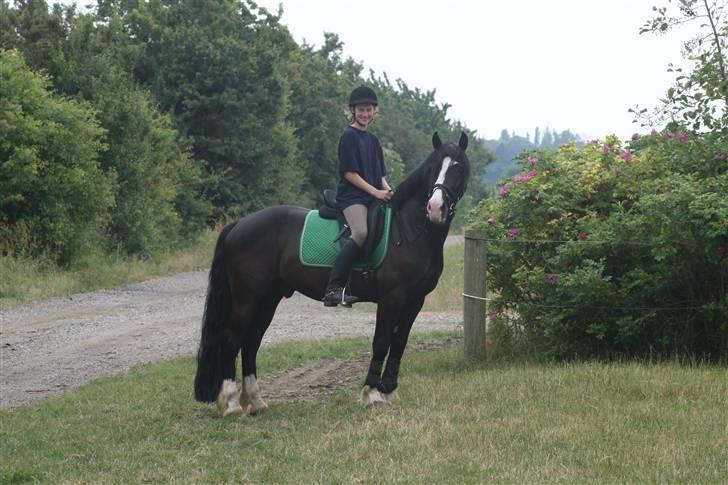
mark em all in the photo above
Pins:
pixel 362 172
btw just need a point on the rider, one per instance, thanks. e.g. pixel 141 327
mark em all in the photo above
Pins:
pixel 362 171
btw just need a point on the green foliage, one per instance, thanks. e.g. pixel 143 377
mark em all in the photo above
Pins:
pixel 320 82
pixel 219 68
pixel 205 111
pixel 698 98
pixel 54 194
pixel 640 266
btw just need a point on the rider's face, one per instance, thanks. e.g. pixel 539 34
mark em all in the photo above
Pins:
pixel 364 114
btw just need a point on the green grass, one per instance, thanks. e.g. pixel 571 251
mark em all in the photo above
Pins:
pixel 455 423
pixel 24 279
pixel 448 296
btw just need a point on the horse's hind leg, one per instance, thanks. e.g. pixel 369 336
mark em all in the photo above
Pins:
pixel 228 398
pixel 250 399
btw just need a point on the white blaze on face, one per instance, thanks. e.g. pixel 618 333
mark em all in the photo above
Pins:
pixel 436 210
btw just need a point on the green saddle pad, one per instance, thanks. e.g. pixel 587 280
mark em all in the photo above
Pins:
pixel 318 247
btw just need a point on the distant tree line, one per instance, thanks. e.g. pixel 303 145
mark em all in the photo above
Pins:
pixel 509 146
pixel 132 125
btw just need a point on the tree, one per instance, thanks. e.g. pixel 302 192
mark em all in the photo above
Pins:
pixel 320 82
pixel 54 195
pixel 157 193
pixel 698 99
pixel 220 69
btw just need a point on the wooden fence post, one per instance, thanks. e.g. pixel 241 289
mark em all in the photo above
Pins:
pixel 474 294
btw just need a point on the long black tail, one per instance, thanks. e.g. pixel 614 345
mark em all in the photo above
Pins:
pixel 211 362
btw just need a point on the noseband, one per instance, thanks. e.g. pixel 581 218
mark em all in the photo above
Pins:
pixel 451 201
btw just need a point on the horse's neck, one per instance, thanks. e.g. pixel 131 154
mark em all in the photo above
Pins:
pixel 414 229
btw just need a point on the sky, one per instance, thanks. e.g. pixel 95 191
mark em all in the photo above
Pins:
pixel 507 64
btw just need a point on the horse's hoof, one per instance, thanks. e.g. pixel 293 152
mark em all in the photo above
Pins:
pixel 234 409
pixel 371 396
pixel 390 397
pixel 227 398
pixel 259 407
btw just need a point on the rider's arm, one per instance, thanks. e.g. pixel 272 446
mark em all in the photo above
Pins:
pixel 357 181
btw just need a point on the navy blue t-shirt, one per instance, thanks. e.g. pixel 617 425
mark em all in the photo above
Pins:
pixel 360 152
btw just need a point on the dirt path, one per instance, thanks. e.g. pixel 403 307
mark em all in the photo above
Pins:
pixel 325 377
pixel 62 343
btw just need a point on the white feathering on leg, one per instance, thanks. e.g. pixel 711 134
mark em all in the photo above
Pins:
pixel 370 396
pixel 251 390
pixel 227 399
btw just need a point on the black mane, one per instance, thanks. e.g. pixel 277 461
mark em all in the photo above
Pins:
pixel 418 183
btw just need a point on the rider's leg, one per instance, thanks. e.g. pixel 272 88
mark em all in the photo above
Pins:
pixel 356 217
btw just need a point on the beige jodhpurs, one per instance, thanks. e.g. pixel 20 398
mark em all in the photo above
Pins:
pixel 356 217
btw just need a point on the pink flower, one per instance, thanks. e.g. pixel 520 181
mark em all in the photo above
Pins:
pixel 490 221
pixel 683 138
pixel 605 149
pixel 723 156
pixel 512 233
pixel 654 132
pixel 626 156
pixel 582 236
pixel 669 134
pixel 635 136
pixel 532 160
pixel 520 178
pixel 531 173
pixel 503 191
pixel 493 317
pixel 552 279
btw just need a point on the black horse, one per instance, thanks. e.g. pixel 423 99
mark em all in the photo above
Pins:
pixel 256 264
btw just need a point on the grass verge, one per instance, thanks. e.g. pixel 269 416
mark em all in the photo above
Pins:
pixel 24 279
pixel 455 423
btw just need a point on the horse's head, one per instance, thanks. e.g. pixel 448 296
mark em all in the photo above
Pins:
pixel 447 172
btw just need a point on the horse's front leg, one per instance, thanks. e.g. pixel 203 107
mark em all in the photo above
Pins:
pixel 387 315
pixel 400 334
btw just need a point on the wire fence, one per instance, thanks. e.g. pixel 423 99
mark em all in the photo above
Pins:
pixel 670 307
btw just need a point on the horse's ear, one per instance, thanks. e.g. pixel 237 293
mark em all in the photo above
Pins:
pixel 436 142
pixel 463 143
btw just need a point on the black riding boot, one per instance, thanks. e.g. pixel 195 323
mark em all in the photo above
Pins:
pixel 340 274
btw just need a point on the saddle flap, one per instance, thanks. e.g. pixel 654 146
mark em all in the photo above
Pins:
pixel 318 246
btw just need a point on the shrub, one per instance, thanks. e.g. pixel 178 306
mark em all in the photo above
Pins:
pixel 54 196
pixel 612 250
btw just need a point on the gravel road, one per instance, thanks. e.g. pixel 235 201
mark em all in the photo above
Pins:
pixel 54 345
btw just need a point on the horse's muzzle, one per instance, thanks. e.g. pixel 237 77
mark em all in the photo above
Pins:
pixel 437 208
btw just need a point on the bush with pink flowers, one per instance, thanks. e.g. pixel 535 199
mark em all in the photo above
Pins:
pixel 616 249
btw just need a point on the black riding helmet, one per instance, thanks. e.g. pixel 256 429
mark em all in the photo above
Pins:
pixel 363 95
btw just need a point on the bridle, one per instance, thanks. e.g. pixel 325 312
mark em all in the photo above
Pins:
pixel 451 200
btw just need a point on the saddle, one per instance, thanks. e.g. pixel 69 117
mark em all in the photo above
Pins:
pixel 325 231
pixel 375 221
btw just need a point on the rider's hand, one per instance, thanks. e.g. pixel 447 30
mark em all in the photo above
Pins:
pixel 384 195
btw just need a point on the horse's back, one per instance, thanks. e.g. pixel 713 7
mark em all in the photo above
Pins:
pixel 259 243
